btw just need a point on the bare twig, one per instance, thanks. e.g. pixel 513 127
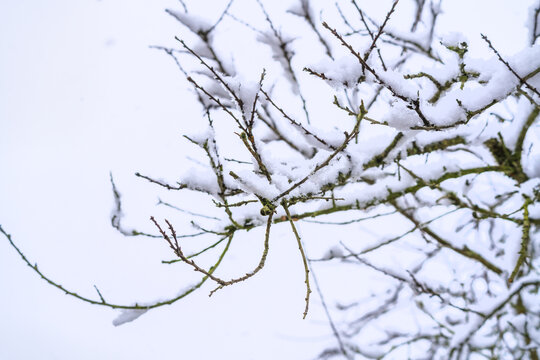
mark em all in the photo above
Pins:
pixel 521 79
pixel 302 252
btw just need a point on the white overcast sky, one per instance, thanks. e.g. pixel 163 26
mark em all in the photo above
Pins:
pixel 82 94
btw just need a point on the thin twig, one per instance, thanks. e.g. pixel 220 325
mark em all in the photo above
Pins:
pixel 525 239
pixel 521 80
pixel 304 258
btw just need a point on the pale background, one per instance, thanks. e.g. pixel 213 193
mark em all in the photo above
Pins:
pixel 81 94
